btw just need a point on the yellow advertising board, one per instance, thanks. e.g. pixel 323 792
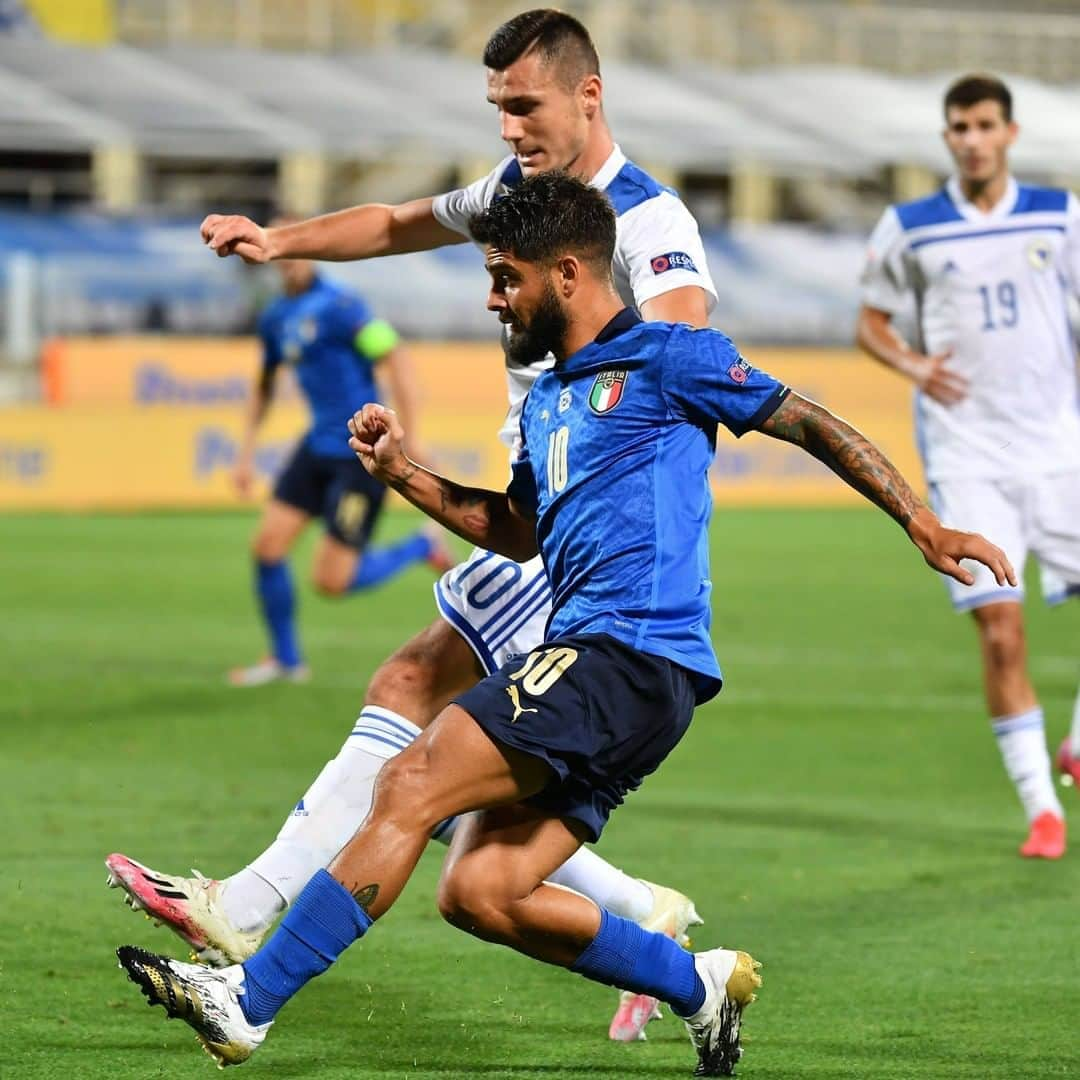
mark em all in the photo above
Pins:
pixel 120 457
pixel 156 371
pixel 156 423
pixel 149 370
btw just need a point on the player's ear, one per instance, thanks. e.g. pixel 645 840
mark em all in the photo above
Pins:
pixel 591 95
pixel 568 271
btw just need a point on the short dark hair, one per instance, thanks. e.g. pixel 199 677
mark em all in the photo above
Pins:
pixel 971 89
pixel 547 216
pixel 559 39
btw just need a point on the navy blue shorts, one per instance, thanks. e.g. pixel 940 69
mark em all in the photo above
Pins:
pixel 339 490
pixel 602 714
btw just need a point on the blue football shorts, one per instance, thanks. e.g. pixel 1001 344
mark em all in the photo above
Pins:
pixel 339 490
pixel 600 713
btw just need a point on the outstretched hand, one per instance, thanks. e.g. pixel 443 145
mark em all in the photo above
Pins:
pixel 377 438
pixel 233 234
pixel 943 549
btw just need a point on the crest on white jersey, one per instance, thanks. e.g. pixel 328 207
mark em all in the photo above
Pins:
pixel 1040 253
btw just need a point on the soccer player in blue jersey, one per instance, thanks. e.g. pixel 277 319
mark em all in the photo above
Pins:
pixel 611 488
pixel 333 343
pixel 989 265
pixel 543 81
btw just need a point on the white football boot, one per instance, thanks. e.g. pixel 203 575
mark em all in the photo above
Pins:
pixel 208 1001
pixel 189 907
pixel 730 980
pixel 268 671
pixel 672 914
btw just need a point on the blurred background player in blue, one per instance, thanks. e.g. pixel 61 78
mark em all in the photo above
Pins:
pixel 334 344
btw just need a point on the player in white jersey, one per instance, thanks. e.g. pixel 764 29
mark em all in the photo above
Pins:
pixel 990 264
pixel 543 78
pixel 501 607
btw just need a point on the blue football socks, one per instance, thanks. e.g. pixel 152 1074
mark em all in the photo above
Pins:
pixel 625 956
pixel 273 583
pixel 379 564
pixel 322 923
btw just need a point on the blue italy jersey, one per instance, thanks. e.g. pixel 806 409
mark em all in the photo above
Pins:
pixel 618 440
pixel 316 332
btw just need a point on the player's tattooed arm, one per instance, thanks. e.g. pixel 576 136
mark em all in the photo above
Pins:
pixel 858 462
pixel 851 456
pixel 488 519
pixel 485 518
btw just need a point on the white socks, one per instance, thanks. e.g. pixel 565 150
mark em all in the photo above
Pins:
pixel 1022 742
pixel 1074 731
pixel 605 885
pixel 324 820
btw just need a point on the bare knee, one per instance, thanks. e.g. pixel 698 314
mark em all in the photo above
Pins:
pixel 268 546
pixel 333 569
pixel 404 788
pixel 424 675
pixel 330 581
pixel 474 903
pixel 1002 635
pixel 278 529
pixel 399 682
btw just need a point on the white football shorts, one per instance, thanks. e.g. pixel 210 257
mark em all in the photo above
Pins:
pixel 498 606
pixel 1030 515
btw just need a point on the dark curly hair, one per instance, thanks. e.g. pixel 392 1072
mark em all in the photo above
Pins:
pixel 547 216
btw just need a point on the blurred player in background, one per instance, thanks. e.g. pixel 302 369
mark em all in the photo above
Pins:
pixel 990 264
pixel 543 78
pixel 334 345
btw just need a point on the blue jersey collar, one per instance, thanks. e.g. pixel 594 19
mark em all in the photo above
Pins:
pixel 622 322
pixel 625 320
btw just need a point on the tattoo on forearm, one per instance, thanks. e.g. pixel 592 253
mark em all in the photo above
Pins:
pixel 474 504
pixel 480 516
pixel 401 481
pixel 846 452
pixel 365 896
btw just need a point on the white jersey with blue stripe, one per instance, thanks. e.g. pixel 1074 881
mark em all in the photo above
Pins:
pixel 658 246
pixel 992 289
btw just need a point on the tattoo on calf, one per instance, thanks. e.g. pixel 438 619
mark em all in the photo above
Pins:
pixel 365 896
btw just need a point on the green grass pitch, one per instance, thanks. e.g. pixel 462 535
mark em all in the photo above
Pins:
pixel 840 811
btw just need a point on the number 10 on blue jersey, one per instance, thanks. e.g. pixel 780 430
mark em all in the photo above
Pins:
pixel 557 466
